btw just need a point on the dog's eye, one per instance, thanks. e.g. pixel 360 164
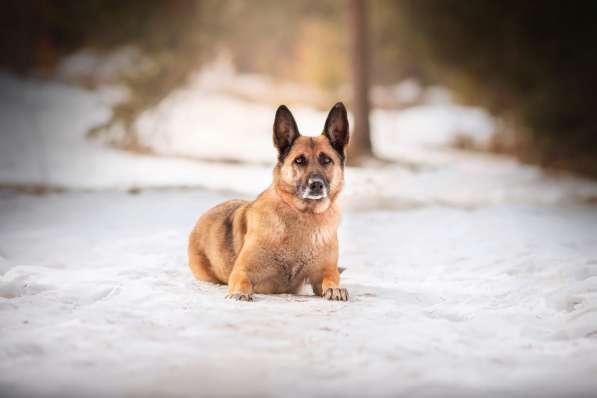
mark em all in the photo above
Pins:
pixel 300 160
pixel 324 159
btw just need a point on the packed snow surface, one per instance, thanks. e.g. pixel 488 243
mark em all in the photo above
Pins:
pixel 96 299
pixel 469 274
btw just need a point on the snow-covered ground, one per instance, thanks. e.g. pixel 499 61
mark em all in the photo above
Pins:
pixel 96 300
pixel 469 275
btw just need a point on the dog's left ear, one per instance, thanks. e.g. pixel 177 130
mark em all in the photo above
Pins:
pixel 336 129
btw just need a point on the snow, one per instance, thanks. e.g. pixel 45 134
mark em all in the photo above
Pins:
pixel 45 123
pixel 92 67
pixel 468 274
pixel 96 298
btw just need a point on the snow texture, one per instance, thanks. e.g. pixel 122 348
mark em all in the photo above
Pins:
pixel 469 275
pixel 96 299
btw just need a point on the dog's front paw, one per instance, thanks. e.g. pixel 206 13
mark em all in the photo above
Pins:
pixel 336 293
pixel 240 296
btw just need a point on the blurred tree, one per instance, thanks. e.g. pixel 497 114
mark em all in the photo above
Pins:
pixel 530 63
pixel 360 146
pixel 35 34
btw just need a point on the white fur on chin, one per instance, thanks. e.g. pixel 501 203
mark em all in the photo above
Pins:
pixel 322 195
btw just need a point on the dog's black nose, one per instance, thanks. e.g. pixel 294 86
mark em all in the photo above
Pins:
pixel 316 185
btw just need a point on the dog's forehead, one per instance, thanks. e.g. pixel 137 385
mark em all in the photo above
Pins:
pixel 311 144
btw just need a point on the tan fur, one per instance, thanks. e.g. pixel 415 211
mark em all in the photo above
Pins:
pixel 277 242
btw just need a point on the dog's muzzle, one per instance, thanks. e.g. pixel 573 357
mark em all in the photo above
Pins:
pixel 316 188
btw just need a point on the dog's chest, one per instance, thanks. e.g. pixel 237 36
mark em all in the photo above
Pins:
pixel 301 252
pixel 292 266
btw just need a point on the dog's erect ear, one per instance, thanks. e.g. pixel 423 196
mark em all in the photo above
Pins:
pixel 336 129
pixel 285 131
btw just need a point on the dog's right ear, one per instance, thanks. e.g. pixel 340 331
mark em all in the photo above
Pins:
pixel 336 129
pixel 285 131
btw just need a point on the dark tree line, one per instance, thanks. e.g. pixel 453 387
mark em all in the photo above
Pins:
pixel 531 62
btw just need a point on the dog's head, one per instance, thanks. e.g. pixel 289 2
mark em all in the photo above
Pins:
pixel 310 170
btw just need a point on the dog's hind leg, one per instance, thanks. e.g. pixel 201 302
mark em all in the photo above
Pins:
pixel 200 265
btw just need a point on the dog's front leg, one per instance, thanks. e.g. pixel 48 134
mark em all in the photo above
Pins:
pixel 240 286
pixel 329 285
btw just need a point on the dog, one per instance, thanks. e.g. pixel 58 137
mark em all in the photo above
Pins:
pixel 288 235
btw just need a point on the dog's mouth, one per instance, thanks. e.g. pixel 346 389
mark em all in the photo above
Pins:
pixel 314 196
pixel 316 188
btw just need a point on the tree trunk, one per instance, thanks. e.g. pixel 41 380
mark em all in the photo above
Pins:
pixel 360 146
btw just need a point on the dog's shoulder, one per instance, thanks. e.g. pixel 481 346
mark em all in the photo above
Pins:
pixel 265 217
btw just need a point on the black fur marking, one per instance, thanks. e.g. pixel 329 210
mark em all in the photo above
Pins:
pixel 229 235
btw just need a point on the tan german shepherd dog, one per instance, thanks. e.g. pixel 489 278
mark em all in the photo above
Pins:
pixel 287 236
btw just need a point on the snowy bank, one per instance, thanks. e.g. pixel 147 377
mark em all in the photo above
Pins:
pixel 43 142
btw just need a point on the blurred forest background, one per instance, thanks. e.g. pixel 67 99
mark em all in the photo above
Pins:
pixel 530 63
